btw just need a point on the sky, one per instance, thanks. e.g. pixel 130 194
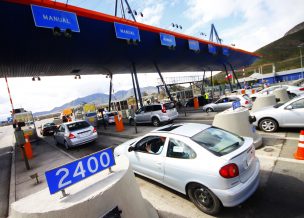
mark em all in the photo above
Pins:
pixel 249 24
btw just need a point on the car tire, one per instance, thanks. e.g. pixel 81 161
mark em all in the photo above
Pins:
pixel 204 199
pixel 132 122
pixel 268 125
pixel 155 121
pixel 66 145
pixel 209 109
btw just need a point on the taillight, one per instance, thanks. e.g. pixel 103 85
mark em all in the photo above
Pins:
pixel 72 136
pixel 246 102
pixel 94 130
pixel 164 109
pixel 301 89
pixel 229 171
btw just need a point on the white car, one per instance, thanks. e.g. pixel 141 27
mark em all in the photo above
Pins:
pixel 292 91
pixel 210 165
pixel 289 114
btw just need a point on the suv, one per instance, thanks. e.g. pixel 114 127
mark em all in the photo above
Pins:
pixel 155 114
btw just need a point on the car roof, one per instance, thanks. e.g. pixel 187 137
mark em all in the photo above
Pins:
pixel 183 129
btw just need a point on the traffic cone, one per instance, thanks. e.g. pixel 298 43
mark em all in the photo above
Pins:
pixel 119 123
pixel 300 152
pixel 28 147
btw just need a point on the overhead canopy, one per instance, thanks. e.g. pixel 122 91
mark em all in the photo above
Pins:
pixel 27 50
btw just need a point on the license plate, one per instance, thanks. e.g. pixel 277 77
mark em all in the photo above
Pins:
pixel 91 119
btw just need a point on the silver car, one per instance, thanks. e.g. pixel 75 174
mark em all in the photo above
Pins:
pixel 210 165
pixel 226 102
pixel 75 133
pixel 289 114
pixel 155 114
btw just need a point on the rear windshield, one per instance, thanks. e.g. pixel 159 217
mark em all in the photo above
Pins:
pixel 218 141
pixel 78 125
pixel 169 106
pixel 278 105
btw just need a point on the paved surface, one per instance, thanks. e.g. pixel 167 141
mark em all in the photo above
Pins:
pixel 6 140
pixel 280 193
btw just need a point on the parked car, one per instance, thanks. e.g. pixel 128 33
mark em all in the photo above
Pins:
pixel 289 114
pixel 155 114
pixel 226 102
pixel 109 116
pixel 75 133
pixel 210 165
pixel 91 117
pixel 201 100
pixel 57 121
pixel 292 91
pixel 48 129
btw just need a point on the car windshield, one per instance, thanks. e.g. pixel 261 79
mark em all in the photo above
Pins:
pixel 278 105
pixel 49 125
pixel 169 106
pixel 78 125
pixel 218 141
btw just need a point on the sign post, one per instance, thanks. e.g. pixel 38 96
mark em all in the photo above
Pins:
pixel 66 175
pixel 167 40
pixel 127 32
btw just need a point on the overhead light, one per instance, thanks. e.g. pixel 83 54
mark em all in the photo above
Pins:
pixel 56 31
pixel 33 79
pixel 38 78
pixel 68 33
pixel 77 77
pixel 141 14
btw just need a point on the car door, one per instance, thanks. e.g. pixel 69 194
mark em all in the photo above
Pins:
pixel 139 114
pixel 146 116
pixel 150 164
pixel 222 104
pixel 60 134
pixel 293 114
pixel 179 164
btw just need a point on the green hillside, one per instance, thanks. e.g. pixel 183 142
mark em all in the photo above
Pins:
pixel 283 53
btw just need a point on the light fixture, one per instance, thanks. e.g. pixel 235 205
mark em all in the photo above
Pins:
pixel 77 77
pixel 57 31
pixel 68 33
pixel 36 77
pixel 33 79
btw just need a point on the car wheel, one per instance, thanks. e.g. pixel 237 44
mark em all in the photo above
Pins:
pixel 132 122
pixel 209 109
pixel 155 121
pixel 66 145
pixel 268 125
pixel 204 199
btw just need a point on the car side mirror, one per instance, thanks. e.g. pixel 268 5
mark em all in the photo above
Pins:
pixel 131 149
pixel 252 119
pixel 289 107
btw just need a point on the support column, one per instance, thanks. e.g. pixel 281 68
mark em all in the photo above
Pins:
pixel 203 83
pixel 234 75
pixel 134 90
pixel 163 81
pixel 110 91
pixel 231 88
pixel 138 88
pixel 211 81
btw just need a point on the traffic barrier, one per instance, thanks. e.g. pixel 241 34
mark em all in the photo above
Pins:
pixel 263 101
pixel 252 91
pixel 238 121
pixel 28 147
pixel 281 94
pixel 243 91
pixel 299 155
pixel 195 103
pixel 119 126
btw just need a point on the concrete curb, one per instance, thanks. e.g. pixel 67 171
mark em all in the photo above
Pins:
pixel 12 189
pixel 117 135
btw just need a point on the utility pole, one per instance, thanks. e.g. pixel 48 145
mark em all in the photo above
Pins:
pixel 300 48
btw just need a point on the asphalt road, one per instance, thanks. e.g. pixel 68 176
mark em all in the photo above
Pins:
pixel 5 167
pixel 281 195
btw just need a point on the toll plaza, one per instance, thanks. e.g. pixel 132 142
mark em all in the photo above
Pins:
pixel 59 39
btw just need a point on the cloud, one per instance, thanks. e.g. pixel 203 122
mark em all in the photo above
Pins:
pixel 260 21
pixel 153 14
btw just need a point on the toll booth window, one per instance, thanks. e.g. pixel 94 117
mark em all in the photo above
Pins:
pixel 169 106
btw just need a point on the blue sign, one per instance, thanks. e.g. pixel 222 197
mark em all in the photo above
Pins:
pixel 167 40
pixel 9 119
pixel 236 104
pixel 225 51
pixel 71 173
pixel 211 49
pixel 51 18
pixel 194 45
pixel 127 32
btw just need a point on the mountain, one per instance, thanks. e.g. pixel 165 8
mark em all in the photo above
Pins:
pixel 98 98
